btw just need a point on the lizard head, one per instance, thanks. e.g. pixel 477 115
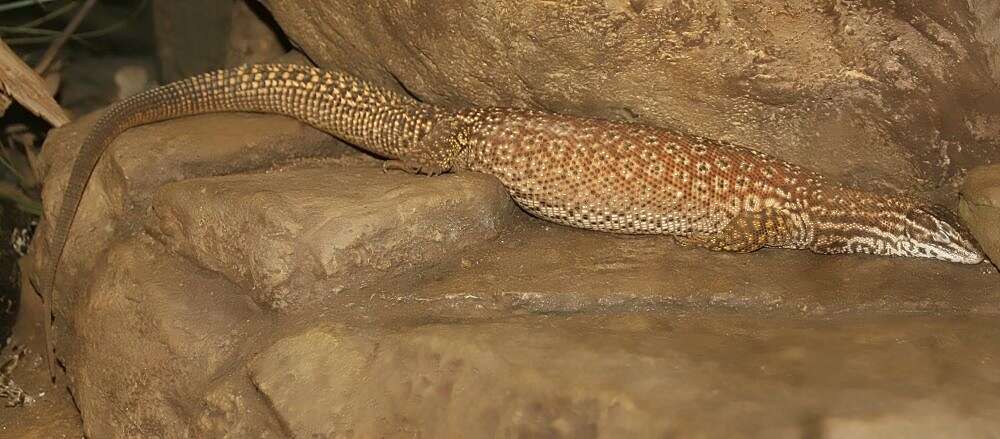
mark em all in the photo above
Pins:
pixel 855 222
pixel 932 231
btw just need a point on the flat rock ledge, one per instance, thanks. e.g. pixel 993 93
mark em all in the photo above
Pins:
pixel 245 276
pixel 294 237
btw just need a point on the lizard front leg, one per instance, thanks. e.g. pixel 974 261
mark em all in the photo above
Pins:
pixel 747 232
pixel 435 152
pixel 413 167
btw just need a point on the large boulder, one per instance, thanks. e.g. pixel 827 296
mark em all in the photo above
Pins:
pixel 980 208
pixel 898 96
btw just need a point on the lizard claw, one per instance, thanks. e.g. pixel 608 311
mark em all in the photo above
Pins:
pixel 687 241
pixel 398 165
pixel 410 168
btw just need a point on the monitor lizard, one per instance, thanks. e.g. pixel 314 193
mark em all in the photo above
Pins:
pixel 581 172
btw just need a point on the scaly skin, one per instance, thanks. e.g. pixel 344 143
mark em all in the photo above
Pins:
pixel 588 173
pixel 627 178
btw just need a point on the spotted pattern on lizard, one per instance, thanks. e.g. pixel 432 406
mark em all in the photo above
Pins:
pixel 582 172
pixel 628 178
pixel 588 173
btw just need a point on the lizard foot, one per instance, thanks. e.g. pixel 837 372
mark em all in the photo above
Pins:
pixel 715 243
pixel 412 168
pixel 688 241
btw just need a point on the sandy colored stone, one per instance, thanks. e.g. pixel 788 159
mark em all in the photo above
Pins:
pixel 980 208
pixel 167 330
pixel 295 237
pixel 547 268
pixel 147 157
pixel 924 418
pixel 233 409
pixel 310 379
pixel 639 375
pixel 876 94
pixel 689 371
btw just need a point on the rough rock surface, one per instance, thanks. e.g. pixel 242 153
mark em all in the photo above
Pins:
pixel 980 208
pixel 242 275
pixel 325 298
pixel 894 95
pixel 297 236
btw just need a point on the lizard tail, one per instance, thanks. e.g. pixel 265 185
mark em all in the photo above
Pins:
pixel 360 113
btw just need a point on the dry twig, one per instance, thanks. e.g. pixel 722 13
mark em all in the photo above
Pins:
pixel 18 81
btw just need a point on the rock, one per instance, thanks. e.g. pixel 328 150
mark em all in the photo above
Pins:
pixel 892 98
pixel 554 269
pixel 311 379
pixel 926 418
pixel 688 374
pixel 145 158
pixel 195 325
pixel 980 208
pixel 232 409
pixel 308 234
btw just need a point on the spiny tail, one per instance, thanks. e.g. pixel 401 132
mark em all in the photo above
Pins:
pixel 376 119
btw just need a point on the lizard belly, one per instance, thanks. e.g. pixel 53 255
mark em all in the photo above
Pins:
pixel 607 212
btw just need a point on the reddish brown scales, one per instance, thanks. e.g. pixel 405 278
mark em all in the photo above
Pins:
pixel 628 178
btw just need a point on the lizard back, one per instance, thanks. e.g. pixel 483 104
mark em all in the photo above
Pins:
pixel 628 178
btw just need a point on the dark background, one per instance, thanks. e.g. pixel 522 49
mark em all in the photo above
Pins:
pixel 112 33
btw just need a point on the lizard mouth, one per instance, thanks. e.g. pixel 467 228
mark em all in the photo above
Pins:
pixel 951 253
